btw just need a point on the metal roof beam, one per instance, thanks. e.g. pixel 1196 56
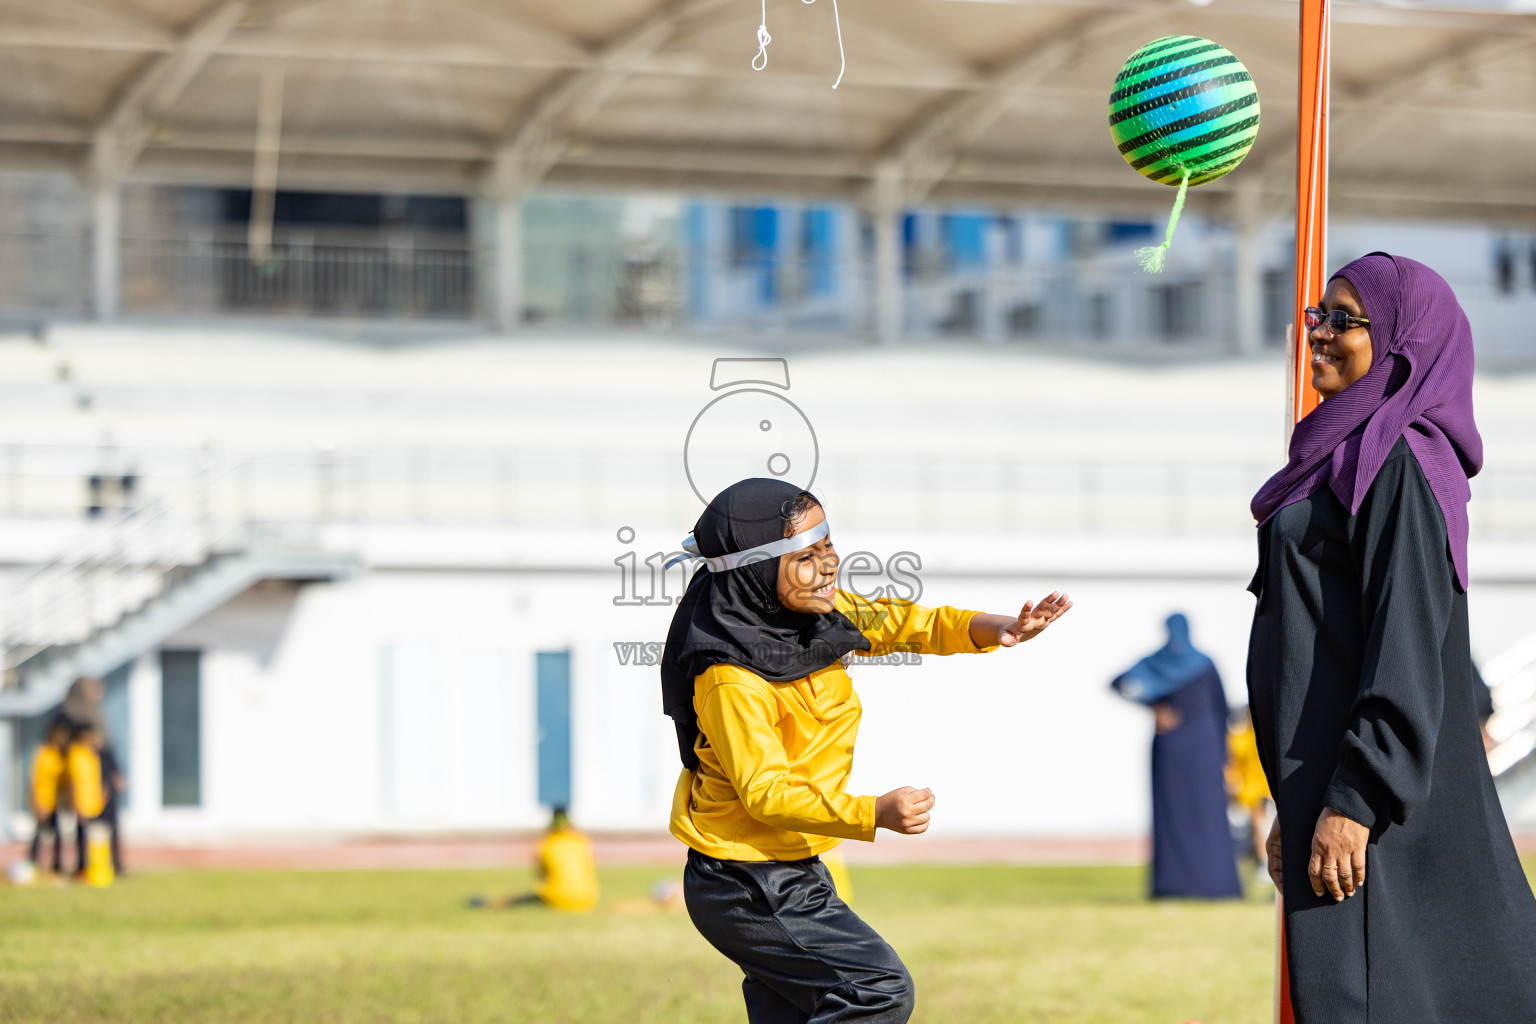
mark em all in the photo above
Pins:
pixel 123 131
pixel 1359 12
pixel 925 150
pixel 1365 115
pixel 454 56
pixel 133 37
pixel 541 133
pixel 1362 114
pixel 94 37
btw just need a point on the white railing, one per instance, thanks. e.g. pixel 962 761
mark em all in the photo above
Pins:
pixel 613 489
pixel 121 565
pixel 300 278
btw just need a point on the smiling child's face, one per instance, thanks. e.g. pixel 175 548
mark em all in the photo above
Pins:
pixel 808 578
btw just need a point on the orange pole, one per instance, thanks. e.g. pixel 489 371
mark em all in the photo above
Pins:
pixel 1283 1012
pixel 1311 191
pixel 1311 275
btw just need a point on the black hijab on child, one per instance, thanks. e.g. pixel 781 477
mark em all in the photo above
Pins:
pixel 733 617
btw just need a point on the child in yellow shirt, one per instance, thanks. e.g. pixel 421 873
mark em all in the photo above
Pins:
pixel 567 872
pixel 1247 784
pixel 567 869
pixel 82 766
pixel 47 777
pixel 753 677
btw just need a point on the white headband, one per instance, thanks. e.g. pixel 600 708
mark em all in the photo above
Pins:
pixel 761 553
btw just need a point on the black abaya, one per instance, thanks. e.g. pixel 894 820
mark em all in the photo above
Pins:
pixel 1361 685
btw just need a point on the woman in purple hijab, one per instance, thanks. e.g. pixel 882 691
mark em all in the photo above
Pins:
pixel 1361 682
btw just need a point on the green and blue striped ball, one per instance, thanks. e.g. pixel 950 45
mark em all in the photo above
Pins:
pixel 1183 104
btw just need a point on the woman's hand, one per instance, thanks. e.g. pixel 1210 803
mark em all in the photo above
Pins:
pixel 1337 866
pixel 1033 618
pixel 904 810
pixel 1272 854
pixel 1165 718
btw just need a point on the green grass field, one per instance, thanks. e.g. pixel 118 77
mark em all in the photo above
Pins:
pixel 985 944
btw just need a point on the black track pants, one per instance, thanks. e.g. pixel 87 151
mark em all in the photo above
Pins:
pixel 48 826
pixel 807 957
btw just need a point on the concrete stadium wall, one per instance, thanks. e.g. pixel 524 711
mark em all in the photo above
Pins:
pixel 296 736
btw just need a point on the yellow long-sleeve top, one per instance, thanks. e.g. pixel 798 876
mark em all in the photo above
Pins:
pixel 84 768
pixel 774 758
pixel 47 772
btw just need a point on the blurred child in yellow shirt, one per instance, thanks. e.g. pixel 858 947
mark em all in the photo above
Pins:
pixel 47 779
pixel 82 765
pixel 1246 782
pixel 567 869
pixel 567 872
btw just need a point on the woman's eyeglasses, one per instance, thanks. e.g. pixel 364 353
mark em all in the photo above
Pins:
pixel 1337 320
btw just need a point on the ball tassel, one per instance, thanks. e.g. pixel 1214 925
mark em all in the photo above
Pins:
pixel 1152 256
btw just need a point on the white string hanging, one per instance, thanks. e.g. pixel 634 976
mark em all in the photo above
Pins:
pixel 837 22
pixel 763 39
pixel 760 61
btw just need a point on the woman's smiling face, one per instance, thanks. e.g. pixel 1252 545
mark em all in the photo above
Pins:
pixel 1339 359
pixel 808 578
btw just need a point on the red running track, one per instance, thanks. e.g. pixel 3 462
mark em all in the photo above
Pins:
pixel 613 849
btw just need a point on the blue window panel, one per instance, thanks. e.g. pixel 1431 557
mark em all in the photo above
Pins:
pixel 767 284
pixel 754 241
pixel 554 716
pixel 765 228
pixel 1064 241
pixel 765 233
pixel 965 240
pixel 817 246
pixel 1116 232
pixel 698 256
pixel 908 243
pixel 754 233
pixel 181 729
pixel 743 236
pixel 1013 234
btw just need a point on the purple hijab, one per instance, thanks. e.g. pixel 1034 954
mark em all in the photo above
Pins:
pixel 1419 386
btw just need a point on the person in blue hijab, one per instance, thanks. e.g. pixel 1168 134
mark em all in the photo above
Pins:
pixel 1192 851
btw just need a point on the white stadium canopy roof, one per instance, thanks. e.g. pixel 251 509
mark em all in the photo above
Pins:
pixel 1434 108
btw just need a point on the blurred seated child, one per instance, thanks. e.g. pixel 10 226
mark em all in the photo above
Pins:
pixel 567 871
pixel 47 776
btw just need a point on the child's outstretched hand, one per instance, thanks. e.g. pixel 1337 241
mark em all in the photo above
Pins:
pixel 1033 618
pixel 904 810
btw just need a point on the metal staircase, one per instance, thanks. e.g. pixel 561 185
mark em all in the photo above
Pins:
pixel 135 581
